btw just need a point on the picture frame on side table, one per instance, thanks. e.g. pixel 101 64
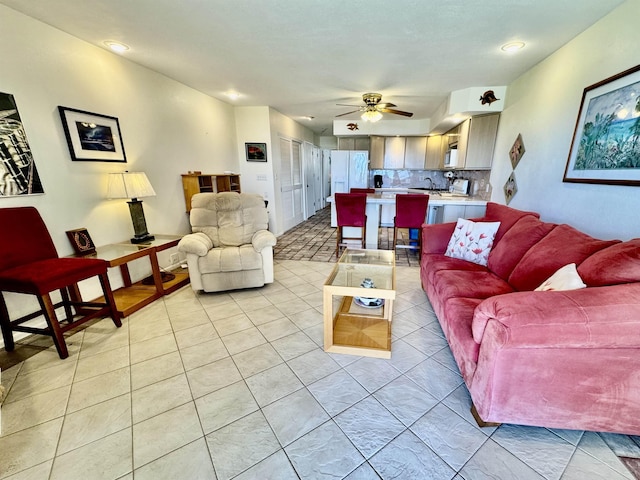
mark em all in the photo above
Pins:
pixel 81 241
pixel 256 152
pixel 92 137
pixel 606 142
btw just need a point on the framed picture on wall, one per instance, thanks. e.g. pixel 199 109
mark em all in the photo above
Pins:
pixel 606 141
pixel 256 152
pixel 92 137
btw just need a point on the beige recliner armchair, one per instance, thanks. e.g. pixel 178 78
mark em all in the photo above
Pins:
pixel 230 246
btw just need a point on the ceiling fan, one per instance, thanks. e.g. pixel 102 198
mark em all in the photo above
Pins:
pixel 373 109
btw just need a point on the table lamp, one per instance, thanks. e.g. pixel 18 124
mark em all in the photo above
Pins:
pixel 133 185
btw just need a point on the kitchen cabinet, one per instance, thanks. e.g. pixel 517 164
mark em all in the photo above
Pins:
pixel 376 153
pixel 434 159
pixel 394 148
pixel 415 153
pixel 353 143
pixel 476 141
pixel 193 183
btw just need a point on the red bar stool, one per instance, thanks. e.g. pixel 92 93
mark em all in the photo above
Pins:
pixel 350 212
pixel 411 211
pixel 29 264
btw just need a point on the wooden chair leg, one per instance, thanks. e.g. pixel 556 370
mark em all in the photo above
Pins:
pixel 108 297
pixel 49 313
pixel 338 238
pixel 5 323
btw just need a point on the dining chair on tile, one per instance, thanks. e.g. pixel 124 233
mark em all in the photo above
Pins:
pixel 350 212
pixel 411 211
pixel 362 190
pixel 29 264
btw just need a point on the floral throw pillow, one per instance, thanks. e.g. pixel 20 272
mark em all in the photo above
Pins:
pixel 472 241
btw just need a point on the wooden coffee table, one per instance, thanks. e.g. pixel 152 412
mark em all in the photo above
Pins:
pixel 353 324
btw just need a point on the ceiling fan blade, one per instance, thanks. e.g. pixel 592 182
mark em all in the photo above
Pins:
pixel 348 105
pixel 343 114
pixel 397 112
pixel 385 105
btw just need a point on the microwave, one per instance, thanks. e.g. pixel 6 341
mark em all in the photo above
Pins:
pixel 451 158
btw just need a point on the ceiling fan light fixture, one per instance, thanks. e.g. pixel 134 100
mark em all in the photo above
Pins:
pixel 371 116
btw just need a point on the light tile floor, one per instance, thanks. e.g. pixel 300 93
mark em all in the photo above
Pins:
pixel 237 385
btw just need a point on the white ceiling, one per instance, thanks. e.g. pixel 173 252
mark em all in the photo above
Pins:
pixel 301 57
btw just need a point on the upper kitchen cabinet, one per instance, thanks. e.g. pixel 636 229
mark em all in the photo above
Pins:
pixel 394 148
pixel 353 143
pixel 476 140
pixel 376 153
pixel 415 153
pixel 434 159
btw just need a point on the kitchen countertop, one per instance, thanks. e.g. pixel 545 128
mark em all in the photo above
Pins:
pixel 388 196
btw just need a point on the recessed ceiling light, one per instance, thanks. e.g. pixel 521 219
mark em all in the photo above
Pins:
pixel 117 46
pixel 512 47
pixel 232 95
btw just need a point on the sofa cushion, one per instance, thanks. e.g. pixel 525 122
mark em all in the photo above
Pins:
pixel 472 241
pixel 614 265
pixel 471 284
pixel 506 253
pixel 507 216
pixel 563 245
pixel 566 278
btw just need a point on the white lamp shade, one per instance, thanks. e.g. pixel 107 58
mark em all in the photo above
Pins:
pixel 371 116
pixel 129 185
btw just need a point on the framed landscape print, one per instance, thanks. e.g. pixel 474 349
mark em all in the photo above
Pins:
pixel 606 141
pixel 18 173
pixel 256 152
pixel 91 136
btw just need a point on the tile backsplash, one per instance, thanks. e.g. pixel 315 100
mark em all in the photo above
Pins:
pixel 419 178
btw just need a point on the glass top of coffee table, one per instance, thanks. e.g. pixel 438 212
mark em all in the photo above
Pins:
pixel 355 267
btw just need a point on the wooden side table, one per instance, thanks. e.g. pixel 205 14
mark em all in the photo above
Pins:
pixel 351 327
pixel 131 297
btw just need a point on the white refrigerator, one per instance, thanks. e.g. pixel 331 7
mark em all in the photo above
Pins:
pixel 349 169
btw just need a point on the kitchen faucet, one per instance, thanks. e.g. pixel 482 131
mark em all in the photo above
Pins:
pixel 430 182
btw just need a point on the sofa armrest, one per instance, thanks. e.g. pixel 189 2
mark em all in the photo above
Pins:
pixel 196 243
pixel 598 317
pixel 262 239
pixel 435 237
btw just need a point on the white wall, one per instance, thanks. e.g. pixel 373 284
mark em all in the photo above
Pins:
pixel 543 106
pixel 252 126
pixel 167 129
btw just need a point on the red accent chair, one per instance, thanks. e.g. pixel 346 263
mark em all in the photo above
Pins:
pixel 350 212
pixel 362 190
pixel 411 211
pixel 29 264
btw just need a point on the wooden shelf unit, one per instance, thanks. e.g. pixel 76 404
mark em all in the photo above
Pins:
pixel 193 183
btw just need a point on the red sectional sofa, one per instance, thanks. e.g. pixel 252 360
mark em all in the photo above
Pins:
pixel 558 359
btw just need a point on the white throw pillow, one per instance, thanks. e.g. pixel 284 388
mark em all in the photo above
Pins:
pixel 472 241
pixel 566 278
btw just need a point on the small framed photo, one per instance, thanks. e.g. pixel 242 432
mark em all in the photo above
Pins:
pixel 81 241
pixel 516 152
pixel 92 137
pixel 256 152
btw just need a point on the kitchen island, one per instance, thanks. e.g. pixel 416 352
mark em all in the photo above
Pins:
pixel 441 209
